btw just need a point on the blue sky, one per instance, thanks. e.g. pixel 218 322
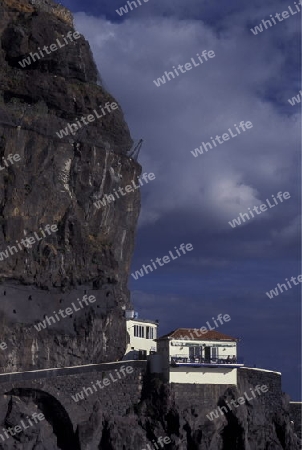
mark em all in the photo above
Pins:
pixel 193 199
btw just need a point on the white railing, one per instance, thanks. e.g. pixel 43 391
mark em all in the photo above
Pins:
pixel 217 360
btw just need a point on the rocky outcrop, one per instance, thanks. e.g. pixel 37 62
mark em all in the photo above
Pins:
pixel 135 410
pixel 295 410
pixel 57 181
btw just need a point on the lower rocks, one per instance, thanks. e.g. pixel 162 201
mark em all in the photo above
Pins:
pixel 137 410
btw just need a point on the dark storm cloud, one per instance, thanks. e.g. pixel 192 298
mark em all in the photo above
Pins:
pixel 208 191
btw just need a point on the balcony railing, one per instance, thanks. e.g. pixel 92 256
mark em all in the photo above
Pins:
pixel 176 359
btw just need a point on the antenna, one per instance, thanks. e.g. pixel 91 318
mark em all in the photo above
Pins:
pixel 135 150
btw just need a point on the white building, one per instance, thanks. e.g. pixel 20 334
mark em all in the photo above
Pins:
pixel 142 334
pixel 190 356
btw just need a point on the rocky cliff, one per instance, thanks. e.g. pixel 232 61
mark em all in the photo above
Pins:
pixel 136 410
pixel 56 180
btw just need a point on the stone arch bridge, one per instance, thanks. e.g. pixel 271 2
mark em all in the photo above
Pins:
pixel 51 391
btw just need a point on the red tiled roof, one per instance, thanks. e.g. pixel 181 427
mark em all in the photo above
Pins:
pixel 188 333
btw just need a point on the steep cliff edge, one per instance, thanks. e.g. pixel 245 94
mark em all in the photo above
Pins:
pixel 56 181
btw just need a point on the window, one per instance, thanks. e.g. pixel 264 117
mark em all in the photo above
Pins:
pixel 195 352
pixel 139 331
pixel 144 332
pixel 150 333
pixel 214 352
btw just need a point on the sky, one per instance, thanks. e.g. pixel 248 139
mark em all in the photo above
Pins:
pixel 193 199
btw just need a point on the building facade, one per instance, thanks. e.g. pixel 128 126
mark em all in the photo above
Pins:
pixel 142 334
pixel 189 356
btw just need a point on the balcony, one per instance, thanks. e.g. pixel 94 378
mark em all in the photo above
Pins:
pixel 180 360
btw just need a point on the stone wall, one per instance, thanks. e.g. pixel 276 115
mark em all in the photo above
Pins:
pixel 138 408
pixel 198 395
pixel 207 395
pixel 248 377
pixel 260 423
pixel 117 398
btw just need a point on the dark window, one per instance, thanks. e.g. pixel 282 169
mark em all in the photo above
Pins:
pixel 195 352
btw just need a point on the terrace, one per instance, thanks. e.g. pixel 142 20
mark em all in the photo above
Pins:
pixel 180 360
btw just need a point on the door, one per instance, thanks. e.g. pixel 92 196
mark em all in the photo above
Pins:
pixel 142 354
pixel 207 354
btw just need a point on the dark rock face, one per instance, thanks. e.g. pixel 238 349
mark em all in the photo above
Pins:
pixel 296 417
pixel 56 181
